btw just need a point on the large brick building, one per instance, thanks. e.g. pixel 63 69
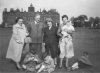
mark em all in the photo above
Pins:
pixel 9 17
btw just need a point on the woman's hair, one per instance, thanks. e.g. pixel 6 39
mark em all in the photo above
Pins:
pixel 49 19
pixel 64 16
pixel 18 19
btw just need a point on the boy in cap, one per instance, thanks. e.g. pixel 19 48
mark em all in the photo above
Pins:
pixel 82 62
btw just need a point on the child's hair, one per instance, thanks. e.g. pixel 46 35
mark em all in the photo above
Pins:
pixel 85 53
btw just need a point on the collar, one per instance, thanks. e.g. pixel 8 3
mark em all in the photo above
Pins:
pixel 18 26
pixel 36 22
pixel 50 27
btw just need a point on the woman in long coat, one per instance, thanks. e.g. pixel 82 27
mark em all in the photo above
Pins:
pixel 51 39
pixel 17 42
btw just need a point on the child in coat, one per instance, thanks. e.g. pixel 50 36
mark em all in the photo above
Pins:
pixel 82 62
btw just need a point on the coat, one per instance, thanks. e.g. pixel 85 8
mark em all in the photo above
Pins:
pixel 36 31
pixel 51 40
pixel 15 48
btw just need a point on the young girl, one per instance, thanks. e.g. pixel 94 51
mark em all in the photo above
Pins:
pixel 65 43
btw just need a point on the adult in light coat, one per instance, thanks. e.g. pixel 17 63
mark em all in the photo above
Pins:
pixel 16 44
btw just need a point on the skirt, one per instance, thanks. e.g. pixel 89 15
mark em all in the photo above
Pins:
pixel 66 48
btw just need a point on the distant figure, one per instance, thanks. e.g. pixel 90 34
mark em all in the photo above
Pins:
pixel 17 42
pixel 35 29
pixel 51 39
pixel 66 46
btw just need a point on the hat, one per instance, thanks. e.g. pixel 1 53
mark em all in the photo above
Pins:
pixel 48 19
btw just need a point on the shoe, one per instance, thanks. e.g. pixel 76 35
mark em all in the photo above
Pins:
pixel 60 67
pixel 56 66
pixel 18 67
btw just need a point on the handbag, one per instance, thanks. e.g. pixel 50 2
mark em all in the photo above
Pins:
pixel 27 40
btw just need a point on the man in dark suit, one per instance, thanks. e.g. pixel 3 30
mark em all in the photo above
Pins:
pixel 51 39
pixel 35 29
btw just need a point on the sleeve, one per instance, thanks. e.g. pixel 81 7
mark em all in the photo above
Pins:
pixel 71 31
pixel 27 33
pixel 72 28
pixel 28 26
pixel 16 34
pixel 44 35
pixel 43 28
pixel 43 32
pixel 59 32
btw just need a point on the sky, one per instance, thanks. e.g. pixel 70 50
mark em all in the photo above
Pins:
pixel 68 7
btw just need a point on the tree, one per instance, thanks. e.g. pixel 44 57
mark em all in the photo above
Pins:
pixel 72 19
pixel 91 21
pixel 96 21
pixel 76 22
pixel 44 11
pixel 52 11
pixel 82 19
pixel 11 10
pixel 17 10
pixel 5 10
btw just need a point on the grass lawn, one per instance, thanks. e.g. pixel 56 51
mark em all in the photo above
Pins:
pixel 84 40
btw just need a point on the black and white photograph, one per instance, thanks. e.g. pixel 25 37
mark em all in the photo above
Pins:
pixel 49 36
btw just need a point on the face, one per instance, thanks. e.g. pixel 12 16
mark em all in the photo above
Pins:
pixel 37 18
pixel 64 20
pixel 49 23
pixel 20 21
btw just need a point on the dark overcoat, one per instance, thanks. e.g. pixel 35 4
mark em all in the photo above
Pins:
pixel 36 31
pixel 51 41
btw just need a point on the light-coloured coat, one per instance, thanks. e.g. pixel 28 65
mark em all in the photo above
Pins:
pixel 15 47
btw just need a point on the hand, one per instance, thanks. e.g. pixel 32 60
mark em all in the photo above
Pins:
pixel 27 34
pixel 19 42
pixel 43 44
pixel 69 31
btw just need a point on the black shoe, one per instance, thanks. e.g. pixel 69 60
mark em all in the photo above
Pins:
pixel 19 68
pixel 60 67
pixel 56 66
